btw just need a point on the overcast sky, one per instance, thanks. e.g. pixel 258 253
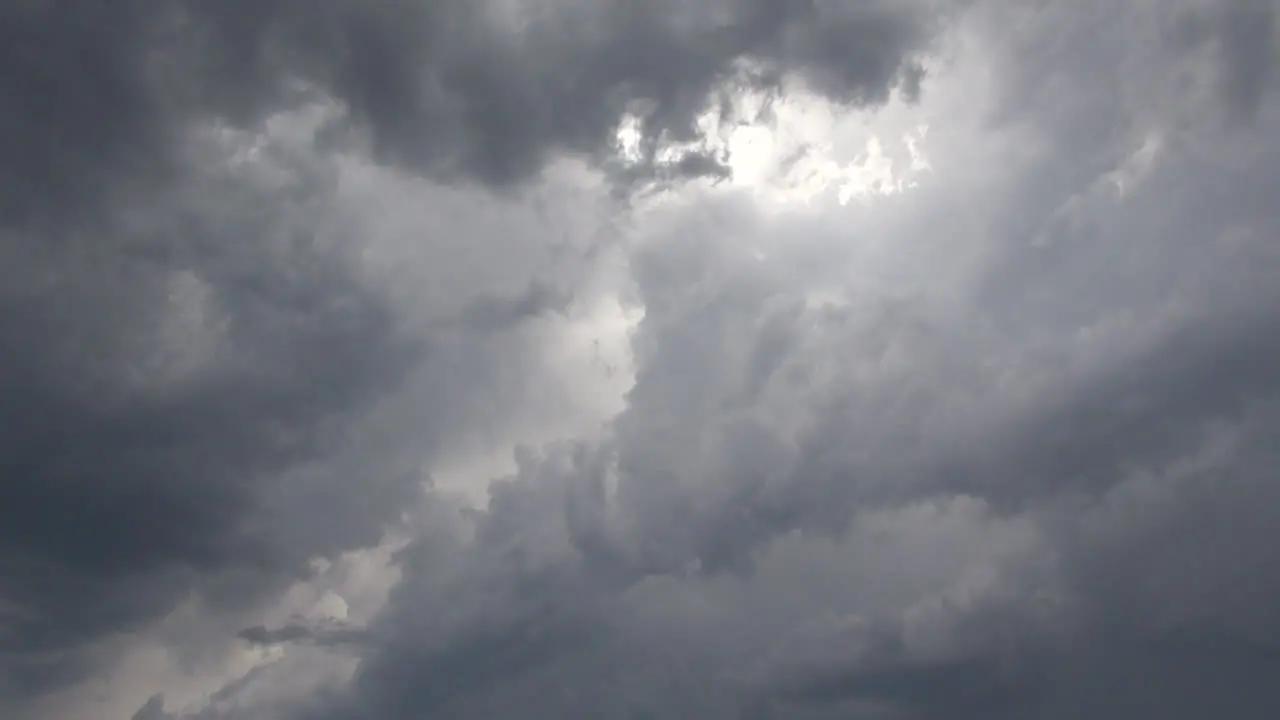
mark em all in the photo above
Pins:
pixel 639 359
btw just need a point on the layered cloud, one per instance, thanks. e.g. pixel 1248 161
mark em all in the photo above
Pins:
pixel 737 358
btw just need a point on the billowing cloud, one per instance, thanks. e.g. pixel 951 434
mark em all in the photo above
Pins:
pixel 736 358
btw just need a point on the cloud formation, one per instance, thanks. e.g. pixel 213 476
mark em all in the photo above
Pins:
pixel 507 359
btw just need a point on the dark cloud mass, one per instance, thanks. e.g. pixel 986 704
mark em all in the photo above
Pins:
pixel 279 280
pixel 98 92
pixel 187 341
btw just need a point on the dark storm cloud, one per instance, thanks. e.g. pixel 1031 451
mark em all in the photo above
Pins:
pixel 1185 673
pixel 1247 45
pixel 125 488
pixel 475 90
pixel 153 710
pixel 1113 389
pixel 199 403
pixel 77 102
pixel 126 474
pixel 445 87
pixel 204 390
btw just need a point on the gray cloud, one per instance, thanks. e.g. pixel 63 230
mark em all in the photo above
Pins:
pixel 1247 47
pixel 156 390
pixel 1081 386
pixel 468 90
pixel 1001 447
pixel 199 367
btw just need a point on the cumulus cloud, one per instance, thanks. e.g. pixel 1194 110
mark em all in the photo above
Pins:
pixel 511 359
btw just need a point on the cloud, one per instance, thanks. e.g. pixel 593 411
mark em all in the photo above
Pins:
pixel 486 91
pixel 1051 384
pixel 285 284
pixel 1246 37
pixel 166 380
pixel 225 362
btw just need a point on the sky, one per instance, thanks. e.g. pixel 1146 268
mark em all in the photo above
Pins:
pixel 639 359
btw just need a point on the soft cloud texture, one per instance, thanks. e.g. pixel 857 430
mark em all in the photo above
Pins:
pixel 728 359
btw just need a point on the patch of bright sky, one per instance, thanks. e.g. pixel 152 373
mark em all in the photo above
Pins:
pixel 798 147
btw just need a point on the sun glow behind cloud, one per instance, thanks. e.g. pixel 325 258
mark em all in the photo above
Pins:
pixel 792 148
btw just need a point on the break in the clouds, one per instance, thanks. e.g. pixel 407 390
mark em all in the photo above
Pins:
pixel 578 359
